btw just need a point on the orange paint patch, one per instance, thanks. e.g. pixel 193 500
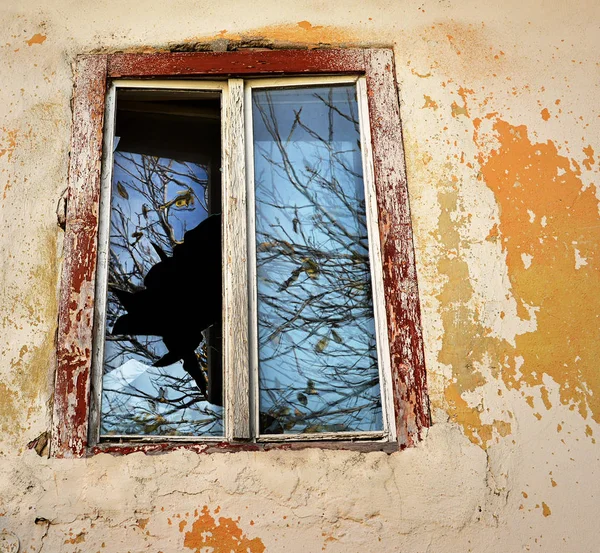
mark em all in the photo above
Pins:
pixel 464 340
pixel 545 114
pixel 429 103
pixel 492 237
pixel 302 32
pixel 420 75
pixel 533 177
pixel 224 536
pixel 36 39
pixel 307 25
pixel 459 110
pixel 589 160
pixel 142 523
pixel 555 289
pixel 79 538
pixel 470 419
pixel 546 510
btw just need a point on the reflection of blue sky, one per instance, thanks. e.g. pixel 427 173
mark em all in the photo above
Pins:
pixel 149 192
pixel 136 395
pixel 316 335
pixel 154 201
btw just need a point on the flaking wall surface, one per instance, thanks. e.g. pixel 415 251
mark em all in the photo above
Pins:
pixel 499 103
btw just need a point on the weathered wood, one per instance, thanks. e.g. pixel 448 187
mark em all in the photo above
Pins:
pixel 400 278
pixel 235 260
pixel 75 335
pixel 243 62
pixel 76 304
pixel 376 261
pixel 102 270
pixel 227 447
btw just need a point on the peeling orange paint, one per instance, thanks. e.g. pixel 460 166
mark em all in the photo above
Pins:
pixel 79 538
pixel 302 32
pixel 420 75
pixel 589 160
pixel 429 103
pixel 9 143
pixel 307 26
pixel 30 368
pixel 546 510
pixel 458 110
pixel 533 177
pixel 526 178
pixel 36 39
pixel 470 419
pixel 224 536
pixel 464 341
pixel 545 114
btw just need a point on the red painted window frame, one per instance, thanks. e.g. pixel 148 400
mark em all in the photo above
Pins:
pixel 76 302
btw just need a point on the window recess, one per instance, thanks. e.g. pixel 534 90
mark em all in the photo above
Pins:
pixel 254 276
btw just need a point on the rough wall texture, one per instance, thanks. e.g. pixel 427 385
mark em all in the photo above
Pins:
pixel 500 110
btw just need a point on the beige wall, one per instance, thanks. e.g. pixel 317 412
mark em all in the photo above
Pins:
pixel 500 108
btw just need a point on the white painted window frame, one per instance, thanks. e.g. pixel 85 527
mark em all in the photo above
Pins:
pixel 240 353
pixel 385 375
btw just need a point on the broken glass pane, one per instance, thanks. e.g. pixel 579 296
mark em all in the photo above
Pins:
pixel 162 373
pixel 318 367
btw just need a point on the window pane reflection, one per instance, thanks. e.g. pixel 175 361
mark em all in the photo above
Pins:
pixel 166 183
pixel 316 333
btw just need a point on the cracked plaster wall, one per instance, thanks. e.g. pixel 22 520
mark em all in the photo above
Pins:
pixel 500 111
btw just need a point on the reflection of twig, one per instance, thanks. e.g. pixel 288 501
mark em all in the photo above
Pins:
pixel 138 210
pixel 314 298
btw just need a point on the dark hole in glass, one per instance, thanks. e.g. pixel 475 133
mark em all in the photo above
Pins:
pixel 162 367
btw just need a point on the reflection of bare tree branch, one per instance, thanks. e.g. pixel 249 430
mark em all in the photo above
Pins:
pixel 314 290
pixel 149 210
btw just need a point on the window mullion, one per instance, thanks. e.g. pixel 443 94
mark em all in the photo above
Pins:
pixel 235 280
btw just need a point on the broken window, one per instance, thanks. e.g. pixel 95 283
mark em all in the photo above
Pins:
pixel 241 291
pixel 161 364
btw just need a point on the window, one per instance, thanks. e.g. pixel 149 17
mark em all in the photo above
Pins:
pixel 239 268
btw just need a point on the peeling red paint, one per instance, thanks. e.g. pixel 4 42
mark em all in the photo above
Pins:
pixel 77 298
pixel 227 447
pixel 244 62
pixel 400 278
pixel 69 436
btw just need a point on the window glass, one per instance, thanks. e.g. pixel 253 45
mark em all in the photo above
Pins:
pixel 317 355
pixel 162 373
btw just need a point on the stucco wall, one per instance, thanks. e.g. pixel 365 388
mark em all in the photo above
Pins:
pixel 499 102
